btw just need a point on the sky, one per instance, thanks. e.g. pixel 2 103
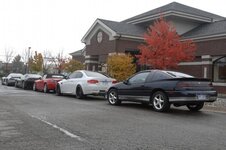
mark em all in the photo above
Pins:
pixel 59 25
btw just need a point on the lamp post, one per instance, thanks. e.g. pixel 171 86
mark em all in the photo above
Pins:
pixel 28 59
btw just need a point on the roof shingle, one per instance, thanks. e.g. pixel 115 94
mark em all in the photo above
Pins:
pixel 174 6
pixel 123 28
pixel 209 29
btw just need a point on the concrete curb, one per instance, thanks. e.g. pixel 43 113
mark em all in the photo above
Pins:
pixel 218 105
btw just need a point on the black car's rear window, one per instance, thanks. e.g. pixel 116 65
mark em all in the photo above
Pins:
pixel 178 74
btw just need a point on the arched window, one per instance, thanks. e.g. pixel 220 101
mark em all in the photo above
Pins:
pixel 219 70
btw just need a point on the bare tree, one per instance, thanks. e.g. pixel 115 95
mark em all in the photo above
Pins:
pixel 59 62
pixel 27 55
pixel 8 58
pixel 46 61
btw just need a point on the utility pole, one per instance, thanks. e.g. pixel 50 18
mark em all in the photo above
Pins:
pixel 28 59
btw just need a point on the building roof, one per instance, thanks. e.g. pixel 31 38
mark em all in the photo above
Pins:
pixel 134 28
pixel 79 52
pixel 123 28
pixel 207 30
pixel 176 7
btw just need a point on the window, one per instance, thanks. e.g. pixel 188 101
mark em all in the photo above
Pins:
pixel 139 78
pixel 76 75
pixel 160 76
pixel 219 73
pixel 95 74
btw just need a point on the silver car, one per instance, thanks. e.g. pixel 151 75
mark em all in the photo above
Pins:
pixel 10 79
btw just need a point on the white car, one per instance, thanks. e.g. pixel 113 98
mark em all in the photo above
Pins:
pixel 82 82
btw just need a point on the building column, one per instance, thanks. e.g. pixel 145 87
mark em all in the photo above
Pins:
pixel 207 66
pixel 91 62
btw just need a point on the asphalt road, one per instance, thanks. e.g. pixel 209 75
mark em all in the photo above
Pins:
pixel 38 121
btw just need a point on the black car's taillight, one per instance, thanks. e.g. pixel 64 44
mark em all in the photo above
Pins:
pixel 183 84
pixel 187 84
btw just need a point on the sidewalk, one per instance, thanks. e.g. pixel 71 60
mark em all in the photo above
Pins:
pixel 218 105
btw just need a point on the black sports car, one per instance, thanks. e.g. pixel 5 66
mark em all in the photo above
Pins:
pixel 163 88
pixel 27 81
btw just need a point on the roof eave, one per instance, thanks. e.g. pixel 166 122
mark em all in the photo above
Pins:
pixel 171 13
pixel 206 37
pixel 83 40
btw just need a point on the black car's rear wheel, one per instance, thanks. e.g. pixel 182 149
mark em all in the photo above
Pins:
pixel 195 107
pixel 160 102
pixel 112 97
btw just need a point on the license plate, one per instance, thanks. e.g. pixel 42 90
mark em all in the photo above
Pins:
pixel 201 97
pixel 104 82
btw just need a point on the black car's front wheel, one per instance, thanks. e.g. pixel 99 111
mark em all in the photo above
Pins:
pixel 195 107
pixel 34 87
pixel 112 97
pixel 160 101
pixel 24 85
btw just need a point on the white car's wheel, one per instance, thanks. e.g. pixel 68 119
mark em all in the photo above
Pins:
pixel 79 92
pixel 58 91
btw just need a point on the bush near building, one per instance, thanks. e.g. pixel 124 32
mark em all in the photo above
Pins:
pixel 120 66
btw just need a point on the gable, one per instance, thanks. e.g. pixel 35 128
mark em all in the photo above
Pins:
pixel 98 25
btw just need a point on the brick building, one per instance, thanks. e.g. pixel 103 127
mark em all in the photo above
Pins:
pixel 207 30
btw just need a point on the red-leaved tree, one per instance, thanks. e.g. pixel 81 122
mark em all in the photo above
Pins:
pixel 163 48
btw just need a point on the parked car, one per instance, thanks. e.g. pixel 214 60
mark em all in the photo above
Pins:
pixel 82 82
pixel 27 81
pixel 47 83
pixel 3 80
pixel 163 88
pixel 10 79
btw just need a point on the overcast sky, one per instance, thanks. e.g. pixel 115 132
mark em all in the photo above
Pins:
pixel 57 25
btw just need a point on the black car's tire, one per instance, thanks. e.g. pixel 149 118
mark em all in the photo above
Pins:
pixel 58 91
pixel 112 97
pixel 45 89
pixel 79 93
pixel 15 84
pixel 24 85
pixel 195 107
pixel 160 101
pixel 34 87
pixel 7 84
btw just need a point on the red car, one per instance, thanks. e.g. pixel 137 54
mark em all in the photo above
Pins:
pixel 48 82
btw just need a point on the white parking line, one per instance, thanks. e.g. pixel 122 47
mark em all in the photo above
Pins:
pixel 61 130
